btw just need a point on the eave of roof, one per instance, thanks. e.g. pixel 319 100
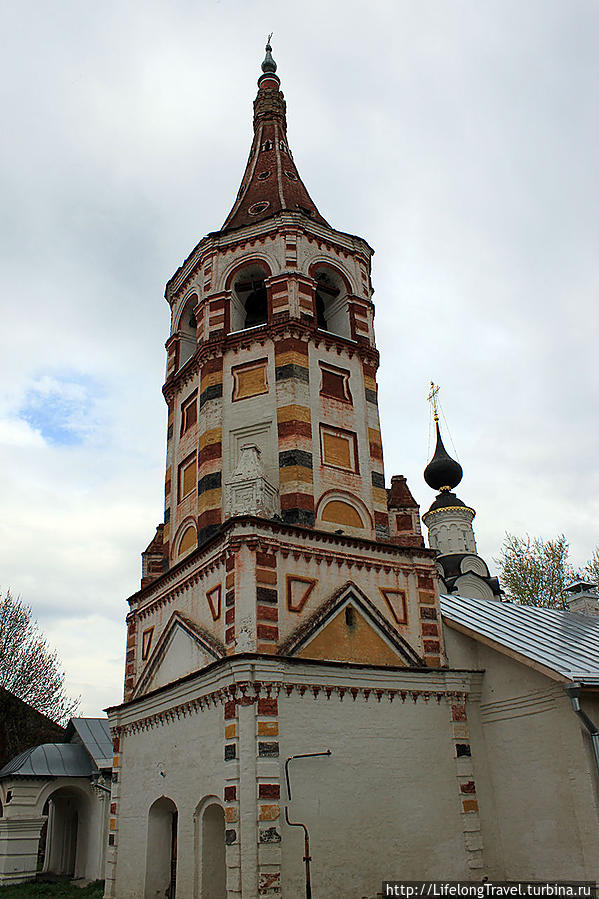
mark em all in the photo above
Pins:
pixel 50 760
pixel 563 645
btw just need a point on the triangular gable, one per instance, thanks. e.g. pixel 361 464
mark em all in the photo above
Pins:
pixel 349 628
pixel 183 647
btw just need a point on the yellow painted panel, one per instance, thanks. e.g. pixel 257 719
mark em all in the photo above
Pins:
pixel 266 575
pixel 369 382
pixel 189 541
pixel 380 496
pixel 341 513
pixel 293 412
pixel 291 358
pixel 268 728
pixel 374 436
pixel 189 479
pixel 210 378
pixel 229 731
pixel 336 450
pixel 214 435
pixel 231 814
pixel 295 473
pixel 358 642
pixel 269 812
pixel 249 381
pixel 211 499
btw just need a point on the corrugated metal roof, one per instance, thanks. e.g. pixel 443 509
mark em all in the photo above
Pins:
pixel 51 760
pixel 566 642
pixel 95 736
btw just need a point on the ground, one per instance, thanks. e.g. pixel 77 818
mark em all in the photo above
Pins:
pixel 47 890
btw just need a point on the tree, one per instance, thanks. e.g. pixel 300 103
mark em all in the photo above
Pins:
pixel 29 668
pixel 534 572
pixel 591 569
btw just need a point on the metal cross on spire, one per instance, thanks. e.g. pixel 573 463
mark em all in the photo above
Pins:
pixel 432 398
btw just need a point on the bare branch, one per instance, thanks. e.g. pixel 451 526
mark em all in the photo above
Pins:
pixel 29 668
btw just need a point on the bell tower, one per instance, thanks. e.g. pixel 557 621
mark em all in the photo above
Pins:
pixel 272 346
pixel 275 496
pixel 283 567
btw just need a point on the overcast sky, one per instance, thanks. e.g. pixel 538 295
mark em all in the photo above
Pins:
pixel 460 139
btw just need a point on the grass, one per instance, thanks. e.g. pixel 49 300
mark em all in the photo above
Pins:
pixel 41 890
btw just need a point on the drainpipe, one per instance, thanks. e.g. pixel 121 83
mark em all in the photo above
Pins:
pixel 573 691
pixel 307 856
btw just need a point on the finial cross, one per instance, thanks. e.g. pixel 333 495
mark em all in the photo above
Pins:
pixel 432 398
pixel 269 37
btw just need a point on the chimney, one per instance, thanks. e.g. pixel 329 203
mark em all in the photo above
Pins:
pixel 582 597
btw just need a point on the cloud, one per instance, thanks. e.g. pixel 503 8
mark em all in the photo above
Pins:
pixel 458 139
pixel 60 408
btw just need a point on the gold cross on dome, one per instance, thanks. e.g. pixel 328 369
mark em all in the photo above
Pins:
pixel 432 398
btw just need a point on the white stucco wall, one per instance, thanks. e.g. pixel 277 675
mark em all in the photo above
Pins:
pixel 183 762
pixel 540 773
pixel 386 803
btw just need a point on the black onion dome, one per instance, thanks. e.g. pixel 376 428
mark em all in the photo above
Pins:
pixel 442 472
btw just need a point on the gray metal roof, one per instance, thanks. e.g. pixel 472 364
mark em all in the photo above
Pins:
pixel 51 760
pixel 94 733
pixel 566 642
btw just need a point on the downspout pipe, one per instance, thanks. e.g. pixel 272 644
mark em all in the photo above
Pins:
pixel 307 856
pixel 573 691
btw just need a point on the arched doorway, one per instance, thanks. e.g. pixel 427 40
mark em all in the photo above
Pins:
pixel 161 851
pixel 64 837
pixel 211 870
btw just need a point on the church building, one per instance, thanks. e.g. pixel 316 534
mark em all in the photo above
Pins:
pixel 294 721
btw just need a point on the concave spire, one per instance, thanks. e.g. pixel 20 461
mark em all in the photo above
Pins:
pixel 271 182
pixel 442 473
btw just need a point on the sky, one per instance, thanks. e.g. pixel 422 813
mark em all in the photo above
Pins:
pixel 458 137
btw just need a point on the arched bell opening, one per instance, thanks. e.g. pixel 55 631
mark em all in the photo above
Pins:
pixel 331 300
pixel 161 850
pixel 249 300
pixel 187 330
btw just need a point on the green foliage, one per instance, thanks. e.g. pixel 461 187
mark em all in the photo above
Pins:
pixel 29 668
pixel 591 569
pixel 534 572
pixel 43 890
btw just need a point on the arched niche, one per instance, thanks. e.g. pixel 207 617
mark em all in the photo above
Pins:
pixel 249 302
pixel 161 849
pixel 188 540
pixel 338 510
pixel 210 850
pixel 331 299
pixel 187 330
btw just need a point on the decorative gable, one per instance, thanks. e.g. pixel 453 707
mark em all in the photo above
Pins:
pixel 349 628
pixel 182 649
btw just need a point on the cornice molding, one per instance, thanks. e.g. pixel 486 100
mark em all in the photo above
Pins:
pixel 217 347
pixel 233 536
pixel 216 241
pixel 246 678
